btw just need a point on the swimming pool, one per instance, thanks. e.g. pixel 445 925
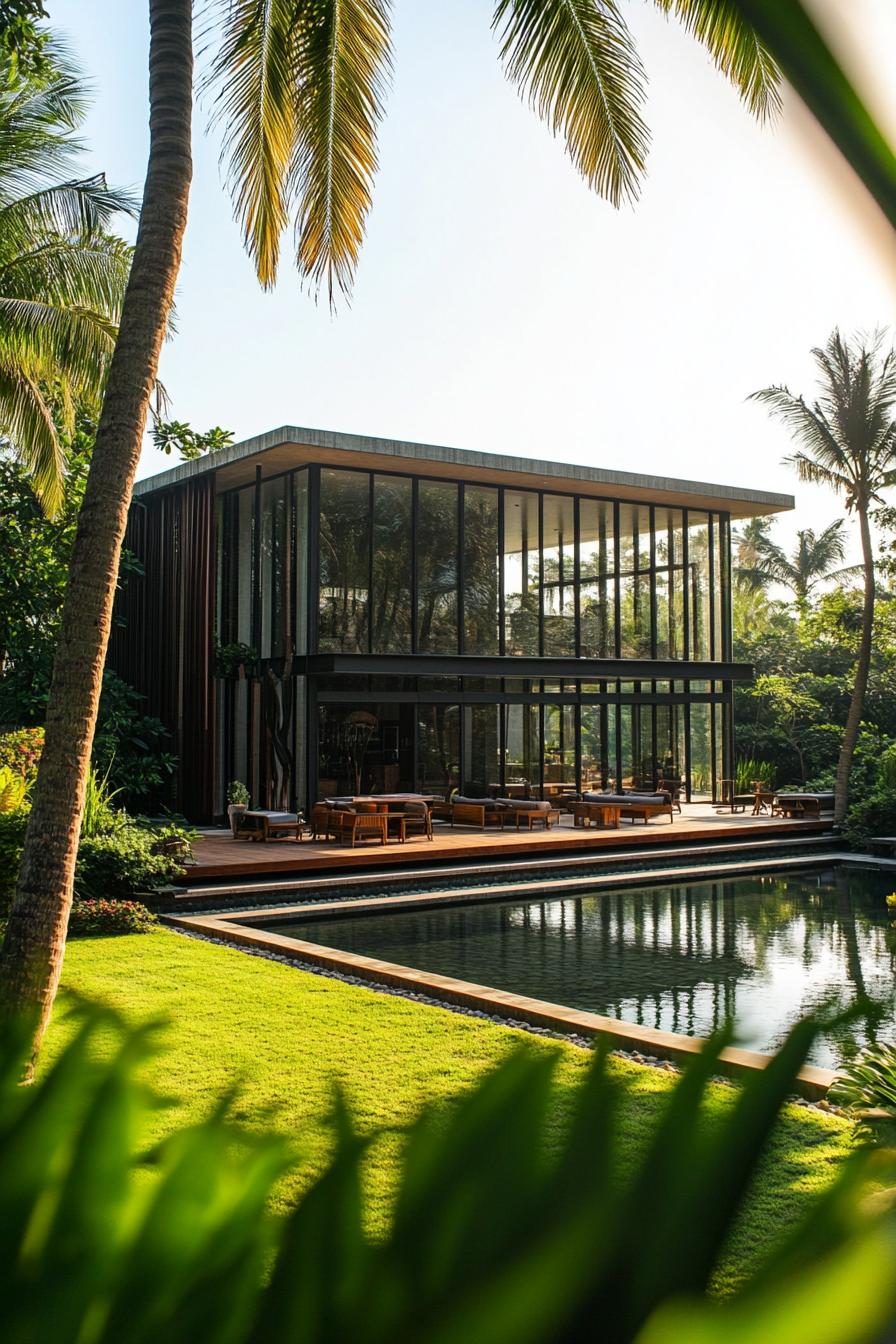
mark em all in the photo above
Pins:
pixel 680 956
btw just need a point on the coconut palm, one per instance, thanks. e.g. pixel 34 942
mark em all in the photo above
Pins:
pixel 816 559
pixel 848 442
pixel 62 276
pixel 301 86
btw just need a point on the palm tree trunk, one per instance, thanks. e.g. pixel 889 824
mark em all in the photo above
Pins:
pixel 31 957
pixel 863 666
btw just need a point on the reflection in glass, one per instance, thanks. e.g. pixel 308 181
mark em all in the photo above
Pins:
pixel 634 569
pixel 597 565
pixel 300 503
pixel 344 561
pixel 438 749
pixel 480 570
pixel 559 749
pixel 437 541
pixel 392 564
pixel 481 750
pixel 521 572
pixel 275 567
pixel 699 594
pixel 558 540
pixel 522 750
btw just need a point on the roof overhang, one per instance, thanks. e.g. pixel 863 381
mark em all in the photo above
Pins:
pixel 290 446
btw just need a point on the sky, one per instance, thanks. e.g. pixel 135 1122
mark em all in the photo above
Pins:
pixel 502 306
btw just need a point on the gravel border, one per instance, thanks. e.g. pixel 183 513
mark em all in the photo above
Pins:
pixel 394 991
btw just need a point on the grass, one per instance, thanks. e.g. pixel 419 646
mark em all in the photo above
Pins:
pixel 285 1037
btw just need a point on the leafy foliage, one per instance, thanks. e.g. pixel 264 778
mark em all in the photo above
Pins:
pixel 13 789
pixel 492 1237
pixel 92 918
pixel 176 436
pixel 123 863
pixel 62 274
pixel 12 837
pixel 20 751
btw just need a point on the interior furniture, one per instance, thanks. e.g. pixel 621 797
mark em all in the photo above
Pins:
pixel 763 799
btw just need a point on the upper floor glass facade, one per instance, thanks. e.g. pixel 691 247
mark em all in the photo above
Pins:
pixel 327 560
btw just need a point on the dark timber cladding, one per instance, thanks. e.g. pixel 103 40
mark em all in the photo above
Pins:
pixel 322 614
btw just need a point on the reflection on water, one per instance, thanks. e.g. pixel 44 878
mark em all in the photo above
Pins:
pixel 683 958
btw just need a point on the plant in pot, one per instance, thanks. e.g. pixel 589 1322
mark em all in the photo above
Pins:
pixel 237 803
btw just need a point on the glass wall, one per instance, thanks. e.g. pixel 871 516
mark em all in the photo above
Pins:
pixel 419 566
pixel 481 571
pixel 343 617
pixel 393 589
pixel 437 569
pixel 522 574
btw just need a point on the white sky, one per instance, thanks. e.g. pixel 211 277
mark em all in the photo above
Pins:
pixel 500 305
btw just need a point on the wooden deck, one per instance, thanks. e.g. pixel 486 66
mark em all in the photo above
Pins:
pixel 218 856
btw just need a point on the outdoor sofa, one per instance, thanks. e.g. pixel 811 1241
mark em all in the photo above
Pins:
pixel 634 805
pixel 803 804
pixel 530 812
pixel 478 811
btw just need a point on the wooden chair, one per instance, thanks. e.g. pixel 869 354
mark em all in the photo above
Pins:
pixel 353 826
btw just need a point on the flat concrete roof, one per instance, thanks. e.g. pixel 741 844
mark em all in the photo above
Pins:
pixel 291 446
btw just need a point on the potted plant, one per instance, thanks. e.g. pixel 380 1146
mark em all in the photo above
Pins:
pixel 237 803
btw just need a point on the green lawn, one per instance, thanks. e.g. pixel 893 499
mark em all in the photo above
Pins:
pixel 286 1036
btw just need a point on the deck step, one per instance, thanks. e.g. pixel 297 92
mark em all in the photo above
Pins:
pixel 267 890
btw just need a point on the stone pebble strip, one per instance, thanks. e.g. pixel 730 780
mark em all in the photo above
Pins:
pixel 399 992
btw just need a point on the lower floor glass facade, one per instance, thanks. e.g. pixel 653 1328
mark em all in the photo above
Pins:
pixel 294 739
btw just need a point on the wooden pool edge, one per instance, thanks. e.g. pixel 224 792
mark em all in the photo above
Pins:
pixel 811 1083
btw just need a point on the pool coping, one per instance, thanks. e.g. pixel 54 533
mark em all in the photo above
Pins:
pixel 238 928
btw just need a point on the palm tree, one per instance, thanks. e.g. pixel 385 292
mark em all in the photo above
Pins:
pixel 848 441
pixel 300 95
pixel 816 559
pixel 62 276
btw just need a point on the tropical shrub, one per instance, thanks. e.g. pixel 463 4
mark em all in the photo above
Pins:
pixel 100 817
pixel 20 751
pixel 12 837
pixel 122 864
pixel 131 747
pixel 495 1236
pixel 748 769
pixel 871 815
pixel 91 918
pixel 13 789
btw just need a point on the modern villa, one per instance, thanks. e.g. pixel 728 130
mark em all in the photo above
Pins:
pixel 323 613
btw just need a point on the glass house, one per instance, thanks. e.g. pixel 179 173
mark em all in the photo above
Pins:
pixel 319 614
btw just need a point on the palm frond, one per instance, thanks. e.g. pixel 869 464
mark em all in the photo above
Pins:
pixel 65 341
pixel 26 421
pixel 735 48
pixel 72 209
pixel 808 425
pixel 576 62
pixel 57 271
pixel 343 68
pixel 256 104
pixel 301 96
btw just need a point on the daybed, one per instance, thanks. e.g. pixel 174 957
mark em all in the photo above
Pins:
pixel 530 812
pixel 803 804
pixel 633 805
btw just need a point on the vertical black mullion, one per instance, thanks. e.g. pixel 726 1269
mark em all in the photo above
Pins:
pixel 312 719
pixel 541 576
pixel 257 566
pixel 415 504
pixel 712 748
pixel 653 614
pixel 313 566
pixel 725 541
pixel 461 567
pixel 577 577
pixel 686 710
pixel 617 580
pixel 370 545
pixel 290 635
pixel 541 743
pixel 577 730
pixel 712 586
pixel 501 637
pixel 686 581
pixel 617 710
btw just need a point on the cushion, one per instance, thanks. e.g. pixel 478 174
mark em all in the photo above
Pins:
pixel 525 804
pixel 490 804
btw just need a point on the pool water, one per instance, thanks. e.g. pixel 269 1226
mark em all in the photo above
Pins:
pixel 681 957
